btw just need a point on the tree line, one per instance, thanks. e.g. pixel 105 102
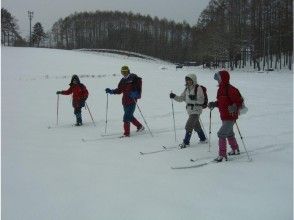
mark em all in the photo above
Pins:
pixel 229 33
pixel 124 31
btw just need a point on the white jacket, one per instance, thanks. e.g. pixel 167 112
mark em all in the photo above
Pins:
pixel 193 106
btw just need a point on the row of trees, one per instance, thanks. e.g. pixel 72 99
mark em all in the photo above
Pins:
pixel 258 30
pixel 10 35
pixel 124 31
pixel 231 33
pixel 228 32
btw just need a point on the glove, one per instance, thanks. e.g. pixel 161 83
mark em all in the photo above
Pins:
pixel 172 95
pixel 212 105
pixel 232 108
pixel 134 94
pixel 58 92
pixel 82 103
pixel 109 91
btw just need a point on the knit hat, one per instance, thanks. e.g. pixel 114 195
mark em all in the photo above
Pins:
pixel 125 69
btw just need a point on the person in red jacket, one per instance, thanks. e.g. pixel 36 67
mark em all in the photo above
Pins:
pixel 229 102
pixel 130 86
pixel 79 96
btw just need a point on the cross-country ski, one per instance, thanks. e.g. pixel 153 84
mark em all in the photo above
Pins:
pixel 203 162
pixel 163 149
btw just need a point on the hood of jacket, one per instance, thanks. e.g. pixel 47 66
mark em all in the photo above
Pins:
pixel 193 77
pixel 74 77
pixel 225 77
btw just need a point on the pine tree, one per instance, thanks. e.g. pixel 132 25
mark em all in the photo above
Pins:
pixel 38 34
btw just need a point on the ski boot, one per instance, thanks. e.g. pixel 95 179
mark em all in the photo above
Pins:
pixel 234 145
pixel 79 121
pixel 234 152
pixel 202 137
pixel 140 128
pixel 203 142
pixel 220 159
pixel 186 141
pixel 124 136
pixel 183 145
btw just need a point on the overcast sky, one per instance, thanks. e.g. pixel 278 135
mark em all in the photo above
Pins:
pixel 49 11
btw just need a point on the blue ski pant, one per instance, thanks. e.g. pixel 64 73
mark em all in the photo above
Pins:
pixel 129 112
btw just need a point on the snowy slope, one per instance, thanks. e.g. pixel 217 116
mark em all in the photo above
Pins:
pixel 53 174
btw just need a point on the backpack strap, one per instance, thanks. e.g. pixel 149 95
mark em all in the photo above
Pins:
pixel 196 90
pixel 204 105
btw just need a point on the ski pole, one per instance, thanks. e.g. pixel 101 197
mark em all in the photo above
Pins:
pixel 209 145
pixel 106 113
pixel 90 113
pixel 249 158
pixel 143 118
pixel 174 121
pixel 57 107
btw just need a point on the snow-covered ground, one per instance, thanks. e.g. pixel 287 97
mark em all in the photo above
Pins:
pixel 52 174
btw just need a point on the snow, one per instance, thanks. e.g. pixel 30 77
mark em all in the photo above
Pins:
pixel 53 174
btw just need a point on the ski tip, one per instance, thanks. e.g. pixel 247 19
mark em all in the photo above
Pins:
pixel 164 146
pixel 192 160
pixel 141 153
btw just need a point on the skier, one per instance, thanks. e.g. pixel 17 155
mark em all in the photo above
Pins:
pixel 194 96
pixel 229 101
pixel 131 87
pixel 79 96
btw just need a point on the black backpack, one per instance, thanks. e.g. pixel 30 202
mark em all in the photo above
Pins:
pixel 204 105
pixel 137 85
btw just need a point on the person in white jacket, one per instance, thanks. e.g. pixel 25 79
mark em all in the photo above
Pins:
pixel 194 97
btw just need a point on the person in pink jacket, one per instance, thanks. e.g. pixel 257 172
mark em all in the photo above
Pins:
pixel 229 102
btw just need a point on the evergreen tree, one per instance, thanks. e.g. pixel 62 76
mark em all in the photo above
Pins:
pixel 38 34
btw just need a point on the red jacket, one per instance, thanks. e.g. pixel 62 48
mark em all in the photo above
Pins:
pixel 227 95
pixel 79 94
pixel 127 85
